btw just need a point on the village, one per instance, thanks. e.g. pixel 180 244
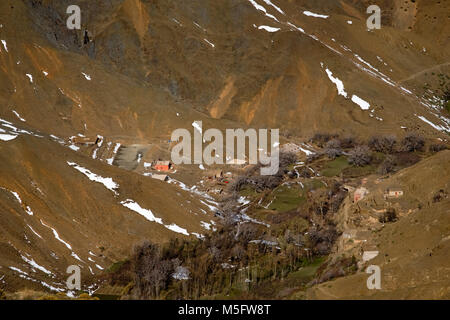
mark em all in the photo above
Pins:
pixel 365 201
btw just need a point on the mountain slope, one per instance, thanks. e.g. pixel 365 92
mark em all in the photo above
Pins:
pixel 148 68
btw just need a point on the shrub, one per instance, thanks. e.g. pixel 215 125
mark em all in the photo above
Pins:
pixel 412 142
pixel 333 149
pixel 287 158
pixel 305 173
pixel 238 183
pixel 439 196
pixel 389 216
pixel 333 144
pixel 333 153
pixel 337 200
pixel 387 165
pixel 385 144
pixel 360 156
pixel 321 138
pixel 437 147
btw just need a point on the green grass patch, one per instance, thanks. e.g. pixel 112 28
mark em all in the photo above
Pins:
pixel 248 192
pixel 335 167
pixel 355 172
pixel 287 197
pixel 307 272
pixel 116 266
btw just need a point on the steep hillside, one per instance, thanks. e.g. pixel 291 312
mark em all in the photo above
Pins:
pixel 412 253
pixel 137 70
pixel 270 64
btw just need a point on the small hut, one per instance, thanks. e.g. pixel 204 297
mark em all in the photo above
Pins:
pixel 163 165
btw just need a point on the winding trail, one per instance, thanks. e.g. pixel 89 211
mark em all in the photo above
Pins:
pixel 415 75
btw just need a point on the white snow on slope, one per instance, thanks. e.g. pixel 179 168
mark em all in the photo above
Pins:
pixel 306 151
pixel 16 131
pixel 116 148
pixel 76 256
pixel 268 29
pixel 437 127
pixel 30 77
pixel 199 26
pixel 18 116
pixel 339 84
pixel 297 28
pixel 4 45
pixel 210 43
pixel 315 15
pixel 7 137
pixel 29 211
pixel 205 225
pixel 56 235
pixel 25 275
pixel 173 227
pixel 210 202
pixel 33 263
pixel 107 182
pixel 37 234
pixel 364 105
pixel 88 77
pixel 148 214
pixel 261 8
pixel 274 6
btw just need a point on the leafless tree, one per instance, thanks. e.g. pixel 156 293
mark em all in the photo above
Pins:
pixel 360 156
pixel 413 142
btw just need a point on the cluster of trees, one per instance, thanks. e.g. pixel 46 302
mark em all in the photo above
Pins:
pixel 263 182
pixel 216 264
pixel 236 255
pixel 361 154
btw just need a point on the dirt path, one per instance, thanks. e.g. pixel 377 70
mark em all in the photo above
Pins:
pixel 424 71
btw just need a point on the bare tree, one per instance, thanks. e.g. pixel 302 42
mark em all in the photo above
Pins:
pixel 413 142
pixel 360 156
pixel 385 144
pixel 387 165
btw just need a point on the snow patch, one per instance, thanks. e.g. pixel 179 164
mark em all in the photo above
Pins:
pixel 18 116
pixel 4 45
pixel 339 84
pixel 364 105
pixel 147 214
pixel 107 182
pixel 210 43
pixel 7 137
pixel 56 235
pixel 274 6
pixel 88 77
pixel 268 29
pixel 261 8
pixel 315 15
